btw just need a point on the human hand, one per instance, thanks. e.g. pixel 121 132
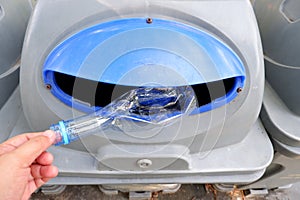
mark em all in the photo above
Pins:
pixel 25 165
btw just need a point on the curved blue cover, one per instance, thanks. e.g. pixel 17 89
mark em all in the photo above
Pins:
pixel 132 52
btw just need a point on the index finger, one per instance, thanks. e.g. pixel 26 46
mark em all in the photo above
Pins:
pixel 32 148
pixel 14 142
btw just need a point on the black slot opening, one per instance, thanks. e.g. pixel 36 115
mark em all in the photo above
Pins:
pixel 101 94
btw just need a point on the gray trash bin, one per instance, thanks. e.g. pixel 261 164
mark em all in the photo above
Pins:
pixel 279 23
pixel 98 50
pixel 14 16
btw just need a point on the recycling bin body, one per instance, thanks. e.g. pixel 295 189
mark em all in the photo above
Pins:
pixel 88 53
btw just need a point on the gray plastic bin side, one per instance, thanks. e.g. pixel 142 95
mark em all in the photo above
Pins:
pixel 14 16
pixel 279 24
pixel 279 121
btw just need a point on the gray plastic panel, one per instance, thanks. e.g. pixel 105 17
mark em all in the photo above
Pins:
pixel 281 123
pixel 286 150
pixel 8 82
pixel 279 30
pixel 1 12
pixel 279 25
pixel 283 171
pixel 14 15
pixel 12 30
pixel 285 81
pixel 9 114
pixel 290 8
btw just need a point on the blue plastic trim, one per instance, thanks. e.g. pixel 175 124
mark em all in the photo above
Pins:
pixel 107 52
pixel 64 132
pixel 224 99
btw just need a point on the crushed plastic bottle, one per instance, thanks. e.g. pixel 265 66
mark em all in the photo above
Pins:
pixel 155 106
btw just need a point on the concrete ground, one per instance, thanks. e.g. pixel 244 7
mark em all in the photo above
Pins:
pixel 186 192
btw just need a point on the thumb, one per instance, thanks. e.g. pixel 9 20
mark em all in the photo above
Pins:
pixel 30 150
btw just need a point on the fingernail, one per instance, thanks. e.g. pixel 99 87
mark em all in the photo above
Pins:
pixel 50 135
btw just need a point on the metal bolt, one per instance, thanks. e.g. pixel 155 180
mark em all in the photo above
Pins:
pixel 144 163
pixel 239 90
pixel 149 20
pixel 48 86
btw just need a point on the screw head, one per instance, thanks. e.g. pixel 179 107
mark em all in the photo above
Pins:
pixel 239 90
pixel 144 163
pixel 149 20
pixel 48 86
